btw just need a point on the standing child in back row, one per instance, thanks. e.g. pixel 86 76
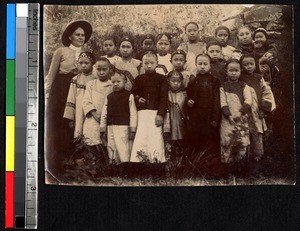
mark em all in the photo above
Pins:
pixel 127 63
pixel 110 50
pixel 192 47
pixel 163 45
pixel 222 34
pixel 151 96
pixel 217 65
pixel 147 44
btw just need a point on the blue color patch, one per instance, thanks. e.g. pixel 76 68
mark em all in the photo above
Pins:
pixel 11 31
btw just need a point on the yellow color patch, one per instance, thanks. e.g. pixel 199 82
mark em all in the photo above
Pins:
pixel 10 143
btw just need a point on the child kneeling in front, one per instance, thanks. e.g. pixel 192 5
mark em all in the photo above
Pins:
pixel 119 120
pixel 151 96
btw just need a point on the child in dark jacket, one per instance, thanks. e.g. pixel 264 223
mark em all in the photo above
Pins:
pixel 151 95
pixel 214 50
pixel 203 100
pixel 265 54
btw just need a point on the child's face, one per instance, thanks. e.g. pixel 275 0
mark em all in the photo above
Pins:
pixel 233 71
pixel 203 64
pixel 163 45
pixel 77 38
pixel 84 65
pixel 244 36
pixel 178 61
pixel 118 82
pixel 175 83
pixel 214 52
pixel 102 70
pixel 192 32
pixel 126 49
pixel 109 47
pixel 222 37
pixel 149 63
pixel 248 64
pixel 148 44
pixel 259 39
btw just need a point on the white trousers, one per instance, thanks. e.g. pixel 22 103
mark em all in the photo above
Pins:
pixel 148 143
pixel 118 144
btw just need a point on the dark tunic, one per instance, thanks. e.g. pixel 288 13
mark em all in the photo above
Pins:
pixel 117 108
pixel 218 70
pixel 253 80
pixel 204 90
pixel 58 142
pixel 246 49
pixel 153 87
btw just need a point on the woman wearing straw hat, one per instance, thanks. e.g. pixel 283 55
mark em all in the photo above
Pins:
pixel 62 70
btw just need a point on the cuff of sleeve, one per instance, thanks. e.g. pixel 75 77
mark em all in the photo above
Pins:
pixel 245 108
pixel 102 129
pixel 266 106
pixel 132 129
pixel 161 113
pixel 88 110
pixel 226 111
pixel 167 129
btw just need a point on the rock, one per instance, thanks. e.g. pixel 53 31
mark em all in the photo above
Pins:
pixel 255 25
pixel 274 26
pixel 262 13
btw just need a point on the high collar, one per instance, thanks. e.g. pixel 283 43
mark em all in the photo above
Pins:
pixel 120 92
pixel 77 49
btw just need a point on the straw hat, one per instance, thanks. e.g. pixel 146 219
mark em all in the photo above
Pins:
pixel 72 26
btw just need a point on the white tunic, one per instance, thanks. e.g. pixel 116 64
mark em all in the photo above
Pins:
pixel 94 97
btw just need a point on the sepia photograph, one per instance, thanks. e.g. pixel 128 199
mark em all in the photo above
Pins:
pixel 169 95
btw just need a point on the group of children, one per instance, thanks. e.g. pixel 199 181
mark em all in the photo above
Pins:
pixel 202 96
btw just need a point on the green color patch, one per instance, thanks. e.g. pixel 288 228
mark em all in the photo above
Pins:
pixel 10 87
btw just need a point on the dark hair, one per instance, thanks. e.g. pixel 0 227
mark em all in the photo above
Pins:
pixel 178 52
pixel 103 59
pixel 150 53
pixel 232 61
pixel 246 56
pixel 213 42
pixel 128 39
pixel 244 26
pixel 148 36
pixel 159 36
pixel 222 28
pixel 175 73
pixel 203 55
pixel 110 38
pixel 186 25
pixel 87 54
pixel 262 30
pixel 117 71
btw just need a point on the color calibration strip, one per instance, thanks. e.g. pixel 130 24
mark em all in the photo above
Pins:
pixel 20 101
pixel 22 58
pixel 10 115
